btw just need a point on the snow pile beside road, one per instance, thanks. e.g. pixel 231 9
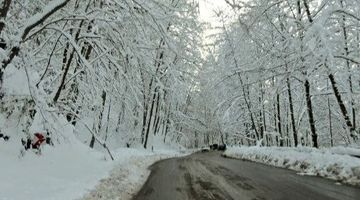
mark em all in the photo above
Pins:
pixel 61 172
pixel 69 171
pixel 128 176
pixel 345 151
pixel 307 161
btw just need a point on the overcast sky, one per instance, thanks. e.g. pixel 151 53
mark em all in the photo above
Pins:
pixel 207 15
pixel 207 8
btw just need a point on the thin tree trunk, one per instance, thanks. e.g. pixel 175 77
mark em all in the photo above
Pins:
pixel 63 79
pixel 340 102
pixel 103 97
pixel 69 61
pixel 3 13
pixel 261 122
pixel 166 129
pixel 330 120
pixel 146 123
pixel 157 114
pixel 107 121
pixel 291 105
pixel 279 119
pixel 263 109
pixel 347 52
pixel 150 118
pixel 314 135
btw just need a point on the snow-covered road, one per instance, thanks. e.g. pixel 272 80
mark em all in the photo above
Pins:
pixel 210 176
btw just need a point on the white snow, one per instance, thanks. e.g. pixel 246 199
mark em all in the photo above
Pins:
pixel 307 161
pixel 345 150
pixel 15 82
pixel 127 178
pixel 69 171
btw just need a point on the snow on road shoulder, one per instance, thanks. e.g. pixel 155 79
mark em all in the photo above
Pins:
pixel 308 161
pixel 61 172
pixel 69 171
pixel 128 176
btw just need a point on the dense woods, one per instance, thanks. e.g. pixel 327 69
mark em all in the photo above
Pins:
pixel 289 73
pixel 136 72
pixel 118 71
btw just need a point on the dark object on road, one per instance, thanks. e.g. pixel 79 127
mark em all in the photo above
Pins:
pixel 205 150
pixel 5 137
pixel 214 146
pixel 222 147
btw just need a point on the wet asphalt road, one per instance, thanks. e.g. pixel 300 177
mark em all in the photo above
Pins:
pixel 205 176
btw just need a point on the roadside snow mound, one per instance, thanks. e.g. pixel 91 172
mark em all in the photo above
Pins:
pixel 307 161
pixel 70 171
pixel 345 151
pixel 62 172
pixel 129 175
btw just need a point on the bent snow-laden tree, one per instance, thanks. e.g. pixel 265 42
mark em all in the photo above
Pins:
pixel 118 71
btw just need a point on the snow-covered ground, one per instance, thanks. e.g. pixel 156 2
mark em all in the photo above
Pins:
pixel 71 171
pixel 127 178
pixel 334 163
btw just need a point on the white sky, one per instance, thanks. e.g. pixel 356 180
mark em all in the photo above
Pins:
pixel 207 8
pixel 207 15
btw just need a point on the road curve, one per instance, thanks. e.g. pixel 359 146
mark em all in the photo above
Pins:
pixel 204 176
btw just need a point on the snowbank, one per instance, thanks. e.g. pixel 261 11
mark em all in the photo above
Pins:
pixel 128 177
pixel 63 172
pixel 308 161
pixel 68 171
pixel 345 151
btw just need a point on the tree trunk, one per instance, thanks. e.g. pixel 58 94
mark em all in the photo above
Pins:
pixel 67 62
pixel 291 105
pixel 157 114
pixel 62 83
pixel 330 120
pixel 347 52
pixel 150 117
pixel 314 135
pixel 103 97
pixel 261 122
pixel 279 119
pixel 341 103
pixel 3 13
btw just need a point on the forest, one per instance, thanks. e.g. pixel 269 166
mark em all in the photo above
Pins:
pixel 289 72
pixel 139 73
